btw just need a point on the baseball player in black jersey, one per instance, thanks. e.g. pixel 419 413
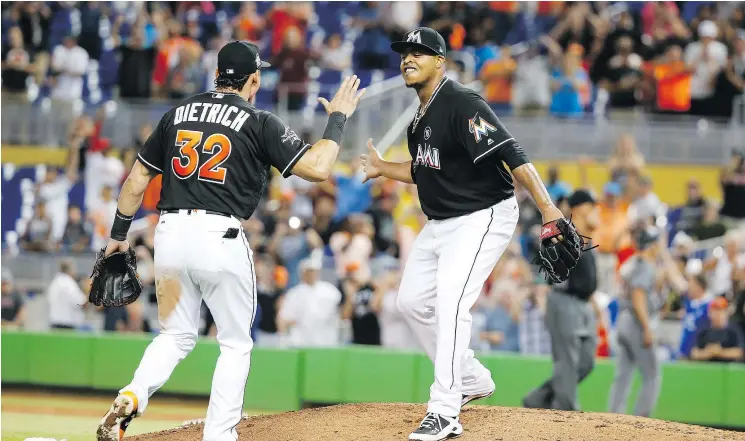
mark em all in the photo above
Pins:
pixel 214 151
pixel 457 147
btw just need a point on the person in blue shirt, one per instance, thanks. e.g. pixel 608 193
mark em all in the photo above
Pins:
pixel 352 194
pixel 695 307
pixel 483 50
pixel 570 86
pixel 501 329
pixel 556 189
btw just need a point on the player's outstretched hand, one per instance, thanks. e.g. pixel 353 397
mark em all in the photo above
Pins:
pixel 371 162
pixel 346 98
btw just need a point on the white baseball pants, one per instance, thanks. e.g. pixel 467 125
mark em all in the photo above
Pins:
pixel 193 262
pixel 443 277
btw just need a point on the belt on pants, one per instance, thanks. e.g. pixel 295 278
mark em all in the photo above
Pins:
pixel 195 211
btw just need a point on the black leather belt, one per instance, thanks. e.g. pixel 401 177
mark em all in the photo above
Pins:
pixel 189 211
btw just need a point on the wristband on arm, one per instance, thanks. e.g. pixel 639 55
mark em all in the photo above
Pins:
pixel 121 226
pixel 335 127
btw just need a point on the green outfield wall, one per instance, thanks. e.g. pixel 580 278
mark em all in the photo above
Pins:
pixel 709 394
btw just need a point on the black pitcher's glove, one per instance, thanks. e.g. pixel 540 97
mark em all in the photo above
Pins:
pixel 561 246
pixel 114 280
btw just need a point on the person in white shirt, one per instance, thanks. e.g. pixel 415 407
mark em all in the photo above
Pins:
pixel 55 189
pixel 102 168
pixel 705 59
pixel 310 313
pixel 646 205
pixel 69 63
pixel 66 300
pixel 101 216
pixel 394 331
pixel 336 55
pixel 723 263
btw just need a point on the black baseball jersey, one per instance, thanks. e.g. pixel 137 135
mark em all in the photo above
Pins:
pixel 214 151
pixel 457 151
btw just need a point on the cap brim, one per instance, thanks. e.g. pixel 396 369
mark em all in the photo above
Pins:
pixel 401 46
pixel 264 65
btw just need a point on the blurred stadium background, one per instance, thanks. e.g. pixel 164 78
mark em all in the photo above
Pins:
pixel 641 102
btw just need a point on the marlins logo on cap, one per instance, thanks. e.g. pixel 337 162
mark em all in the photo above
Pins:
pixel 422 38
pixel 414 37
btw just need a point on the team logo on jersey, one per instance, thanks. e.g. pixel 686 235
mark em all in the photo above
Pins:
pixel 427 156
pixel 427 133
pixel 290 136
pixel 414 37
pixel 479 127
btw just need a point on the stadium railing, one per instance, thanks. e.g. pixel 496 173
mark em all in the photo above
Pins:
pixel 387 108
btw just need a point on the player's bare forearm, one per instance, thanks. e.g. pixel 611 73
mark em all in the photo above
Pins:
pixel 529 178
pixel 733 354
pixel 318 162
pixel 699 354
pixel 639 304
pixel 130 198
pixel 399 171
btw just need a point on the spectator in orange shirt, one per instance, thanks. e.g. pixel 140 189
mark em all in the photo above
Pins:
pixel 497 77
pixel 248 24
pixel 169 52
pixel 673 82
pixel 609 235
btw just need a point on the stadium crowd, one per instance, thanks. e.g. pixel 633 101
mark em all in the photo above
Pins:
pixel 566 58
pixel 328 256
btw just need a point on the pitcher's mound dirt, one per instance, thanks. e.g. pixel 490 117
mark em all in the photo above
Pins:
pixel 393 422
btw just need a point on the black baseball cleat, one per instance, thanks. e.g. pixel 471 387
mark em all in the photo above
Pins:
pixel 436 427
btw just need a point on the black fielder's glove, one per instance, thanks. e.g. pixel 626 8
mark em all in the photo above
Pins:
pixel 114 280
pixel 558 257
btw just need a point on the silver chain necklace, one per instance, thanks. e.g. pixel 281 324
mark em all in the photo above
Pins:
pixel 423 109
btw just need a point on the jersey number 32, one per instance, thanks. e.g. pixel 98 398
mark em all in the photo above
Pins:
pixel 217 145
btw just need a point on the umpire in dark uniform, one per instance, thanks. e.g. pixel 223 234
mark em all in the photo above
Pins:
pixel 570 319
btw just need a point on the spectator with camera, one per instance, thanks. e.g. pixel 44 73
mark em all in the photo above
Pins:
pixel 292 241
pixel 269 290
pixel 360 306
pixel 353 246
pixel 730 82
pixel 705 58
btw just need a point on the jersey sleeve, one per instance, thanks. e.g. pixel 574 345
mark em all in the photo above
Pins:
pixel 152 155
pixel 483 135
pixel 281 146
pixel 642 277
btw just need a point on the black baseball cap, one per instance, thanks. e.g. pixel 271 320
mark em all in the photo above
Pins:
pixel 580 197
pixel 238 59
pixel 422 38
